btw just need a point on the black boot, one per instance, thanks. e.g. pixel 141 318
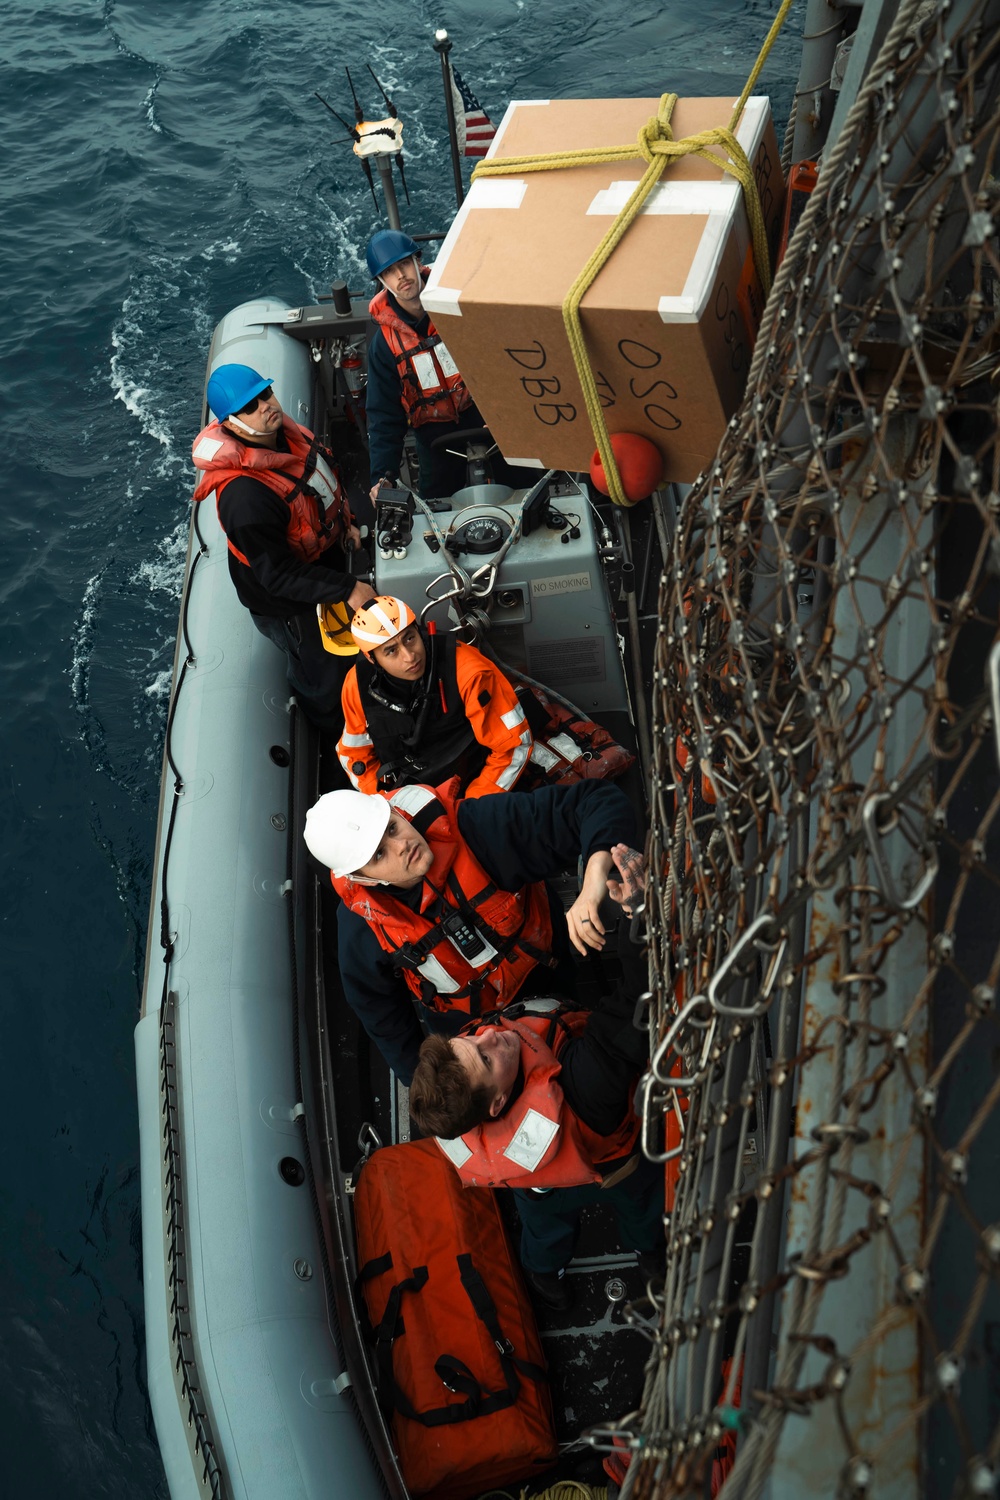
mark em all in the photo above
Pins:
pixel 652 1265
pixel 551 1288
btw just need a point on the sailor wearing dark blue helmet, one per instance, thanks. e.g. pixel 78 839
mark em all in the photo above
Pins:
pixel 287 525
pixel 413 380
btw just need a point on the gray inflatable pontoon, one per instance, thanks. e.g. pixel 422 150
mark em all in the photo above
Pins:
pixel 246 1383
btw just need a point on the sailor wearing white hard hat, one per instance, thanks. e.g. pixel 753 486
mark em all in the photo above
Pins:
pixel 445 910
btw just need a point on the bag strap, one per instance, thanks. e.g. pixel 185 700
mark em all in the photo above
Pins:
pixel 389 1330
pixel 485 1309
pixel 452 1371
pixel 371 1268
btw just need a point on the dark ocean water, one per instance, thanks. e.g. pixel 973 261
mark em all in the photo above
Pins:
pixel 165 160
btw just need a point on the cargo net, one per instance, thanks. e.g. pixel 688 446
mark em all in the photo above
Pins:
pixel 824 914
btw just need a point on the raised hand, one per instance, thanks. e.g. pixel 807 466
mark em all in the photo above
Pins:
pixel 631 866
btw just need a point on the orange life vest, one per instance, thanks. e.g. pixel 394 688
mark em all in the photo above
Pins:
pixel 304 477
pixel 504 934
pixel 538 1141
pixel 568 748
pixel 432 387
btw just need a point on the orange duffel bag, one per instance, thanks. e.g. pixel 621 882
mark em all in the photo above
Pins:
pixel 460 1369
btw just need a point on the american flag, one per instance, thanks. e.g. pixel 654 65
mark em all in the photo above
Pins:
pixel 474 126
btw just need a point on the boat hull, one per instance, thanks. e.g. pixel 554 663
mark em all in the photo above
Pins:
pixel 235 1292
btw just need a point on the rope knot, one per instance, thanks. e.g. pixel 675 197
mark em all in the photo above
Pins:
pixel 656 136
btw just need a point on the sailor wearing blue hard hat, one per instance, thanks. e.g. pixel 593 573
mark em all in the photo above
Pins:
pixel 412 379
pixel 288 526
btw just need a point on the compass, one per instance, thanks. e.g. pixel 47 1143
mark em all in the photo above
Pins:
pixel 481 536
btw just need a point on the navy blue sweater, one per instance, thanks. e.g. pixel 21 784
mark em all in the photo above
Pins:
pixel 518 838
pixel 387 419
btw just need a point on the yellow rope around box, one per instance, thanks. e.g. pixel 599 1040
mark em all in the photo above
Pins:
pixel 656 145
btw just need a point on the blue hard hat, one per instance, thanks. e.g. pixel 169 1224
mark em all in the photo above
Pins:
pixel 232 386
pixel 388 246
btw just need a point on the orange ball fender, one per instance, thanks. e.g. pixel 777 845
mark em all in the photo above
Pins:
pixel 640 464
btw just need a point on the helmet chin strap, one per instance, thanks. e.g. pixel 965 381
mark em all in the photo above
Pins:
pixel 250 431
pixel 416 268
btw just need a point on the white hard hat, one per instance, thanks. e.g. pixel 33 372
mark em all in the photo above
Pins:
pixel 344 828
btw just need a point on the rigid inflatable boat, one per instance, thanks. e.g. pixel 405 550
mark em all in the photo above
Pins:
pixel 250 1112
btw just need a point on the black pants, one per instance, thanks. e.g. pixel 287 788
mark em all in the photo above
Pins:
pixel 441 473
pixel 315 674
pixel 550 1221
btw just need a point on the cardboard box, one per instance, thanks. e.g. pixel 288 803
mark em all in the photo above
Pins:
pixel 669 321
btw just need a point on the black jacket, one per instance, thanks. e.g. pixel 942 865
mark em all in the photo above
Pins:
pixel 600 1067
pixel 277 582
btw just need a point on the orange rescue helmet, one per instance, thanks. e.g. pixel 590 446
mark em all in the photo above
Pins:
pixel 380 621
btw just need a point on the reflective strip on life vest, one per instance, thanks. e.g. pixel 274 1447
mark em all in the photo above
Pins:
pixel 512 717
pixel 355 741
pixel 437 976
pixel 426 372
pixel 323 477
pixel 543 756
pixel 456 1151
pixel 412 799
pixel 535 1135
pixel 444 358
pixel 566 747
pixel 207 448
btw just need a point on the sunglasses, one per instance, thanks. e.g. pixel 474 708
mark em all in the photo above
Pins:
pixel 251 406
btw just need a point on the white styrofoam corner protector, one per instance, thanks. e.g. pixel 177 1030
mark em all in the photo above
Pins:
pixel 689 306
pixel 670 197
pixel 507 117
pixel 486 192
pixel 447 245
pixel 525 463
pixel 677 310
pixel 496 192
pixel 752 121
pixel 442 300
